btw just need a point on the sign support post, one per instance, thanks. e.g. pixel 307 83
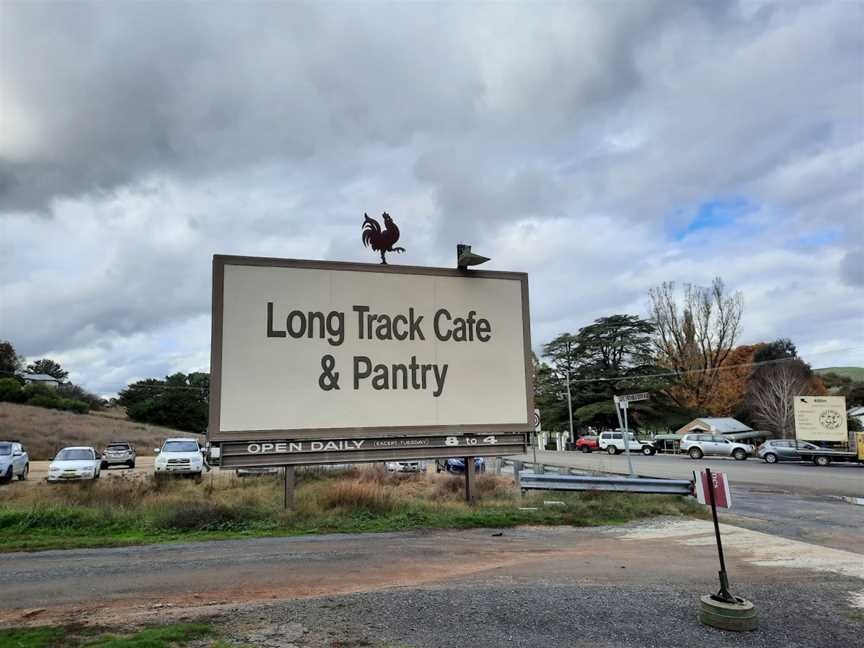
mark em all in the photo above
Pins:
pixel 723 594
pixel 470 481
pixel 289 488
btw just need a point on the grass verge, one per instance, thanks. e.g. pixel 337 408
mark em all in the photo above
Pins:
pixel 133 511
pixel 54 637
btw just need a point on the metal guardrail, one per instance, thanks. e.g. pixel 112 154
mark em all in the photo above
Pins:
pixel 532 481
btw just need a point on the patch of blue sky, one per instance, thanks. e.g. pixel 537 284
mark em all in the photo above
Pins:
pixel 814 239
pixel 726 215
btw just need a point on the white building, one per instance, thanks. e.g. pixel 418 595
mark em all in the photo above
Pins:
pixel 41 379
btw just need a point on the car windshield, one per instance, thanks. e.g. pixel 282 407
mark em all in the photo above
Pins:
pixel 118 447
pixel 180 446
pixel 5 449
pixel 74 454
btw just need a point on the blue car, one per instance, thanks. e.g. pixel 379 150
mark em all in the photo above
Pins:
pixel 458 465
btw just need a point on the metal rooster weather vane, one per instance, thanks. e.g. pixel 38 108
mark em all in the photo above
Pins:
pixel 381 240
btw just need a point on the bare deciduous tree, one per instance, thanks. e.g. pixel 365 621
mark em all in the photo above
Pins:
pixel 694 337
pixel 772 393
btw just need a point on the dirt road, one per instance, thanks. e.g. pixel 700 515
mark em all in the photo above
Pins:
pixel 609 586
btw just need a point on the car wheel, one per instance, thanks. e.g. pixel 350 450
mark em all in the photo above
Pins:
pixel 739 454
pixel 612 450
pixel 584 448
pixel 103 465
pixel 822 460
pixel 695 453
pixel 770 458
pixel 132 464
pixel 8 476
pixel 24 472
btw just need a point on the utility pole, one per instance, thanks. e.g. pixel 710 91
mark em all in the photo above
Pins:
pixel 569 401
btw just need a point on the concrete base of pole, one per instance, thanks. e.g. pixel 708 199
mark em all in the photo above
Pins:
pixel 738 617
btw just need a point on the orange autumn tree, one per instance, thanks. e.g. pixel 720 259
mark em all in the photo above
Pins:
pixel 732 382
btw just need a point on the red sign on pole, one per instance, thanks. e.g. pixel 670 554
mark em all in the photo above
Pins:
pixel 722 492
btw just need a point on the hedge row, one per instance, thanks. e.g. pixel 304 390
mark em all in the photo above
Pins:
pixel 11 391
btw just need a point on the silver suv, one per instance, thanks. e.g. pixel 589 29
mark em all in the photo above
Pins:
pixel 118 453
pixel 14 461
pixel 699 445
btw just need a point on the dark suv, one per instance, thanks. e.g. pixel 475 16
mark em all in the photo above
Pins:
pixel 118 453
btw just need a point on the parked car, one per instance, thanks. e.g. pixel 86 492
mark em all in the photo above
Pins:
pixel 774 450
pixel 74 464
pixel 700 445
pixel 14 461
pixel 179 457
pixel 118 453
pixel 458 465
pixel 613 443
pixel 406 466
pixel 588 443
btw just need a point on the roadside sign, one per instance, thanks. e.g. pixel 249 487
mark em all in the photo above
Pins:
pixel 722 493
pixel 316 357
pixel 537 421
pixel 632 398
pixel 821 418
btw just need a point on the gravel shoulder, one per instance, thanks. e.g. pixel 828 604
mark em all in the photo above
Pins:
pixel 634 585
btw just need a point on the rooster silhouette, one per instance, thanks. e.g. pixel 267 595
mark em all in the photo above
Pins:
pixel 381 240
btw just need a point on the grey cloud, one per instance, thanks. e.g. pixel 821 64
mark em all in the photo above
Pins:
pixel 556 138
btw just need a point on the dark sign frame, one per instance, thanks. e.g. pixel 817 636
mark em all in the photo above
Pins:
pixel 216 435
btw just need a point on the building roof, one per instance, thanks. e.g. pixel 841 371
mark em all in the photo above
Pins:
pixel 719 425
pixel 39 377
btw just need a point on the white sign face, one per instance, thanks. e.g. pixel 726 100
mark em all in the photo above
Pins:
pixel 324 346
pixel 821 418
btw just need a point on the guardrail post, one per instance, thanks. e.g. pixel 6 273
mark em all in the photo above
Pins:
pixel 538 469
pixel 517 468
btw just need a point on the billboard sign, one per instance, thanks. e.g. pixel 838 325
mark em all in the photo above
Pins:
pixel 312 352
pixel 821 418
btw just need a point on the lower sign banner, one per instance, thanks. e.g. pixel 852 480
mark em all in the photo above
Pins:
pixel 321 451
pixel 722 493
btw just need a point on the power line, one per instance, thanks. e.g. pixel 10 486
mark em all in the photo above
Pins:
pixel 669 374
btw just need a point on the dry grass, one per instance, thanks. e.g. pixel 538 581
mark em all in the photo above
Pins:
pixel 43 431
pixel 136 510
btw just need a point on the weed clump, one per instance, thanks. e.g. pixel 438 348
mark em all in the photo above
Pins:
pixel 357 494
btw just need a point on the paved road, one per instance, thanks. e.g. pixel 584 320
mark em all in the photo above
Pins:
pixel 837 479
pixel 523 587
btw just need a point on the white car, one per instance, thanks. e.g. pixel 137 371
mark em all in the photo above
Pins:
pixel 406 466
pixel 74 464
pixel 179 457
pixel 14 461
pixel 613 443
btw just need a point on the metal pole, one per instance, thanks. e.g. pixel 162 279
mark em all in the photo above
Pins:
pixel 534 445
pixel 723 594
pixel 569 402
pixel 627 441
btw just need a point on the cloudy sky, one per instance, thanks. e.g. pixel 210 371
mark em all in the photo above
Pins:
pixel 601 147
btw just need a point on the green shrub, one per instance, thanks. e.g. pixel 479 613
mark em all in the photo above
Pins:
pixel 72 405
pixel 41 400
pixel 33 390
pixel 10 390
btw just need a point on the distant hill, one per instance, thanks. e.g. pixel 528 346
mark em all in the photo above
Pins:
pixel 44 431
pixel 855 373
